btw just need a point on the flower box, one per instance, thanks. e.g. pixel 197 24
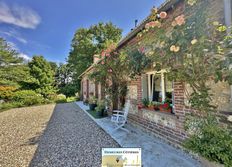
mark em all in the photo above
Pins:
pixel 165 107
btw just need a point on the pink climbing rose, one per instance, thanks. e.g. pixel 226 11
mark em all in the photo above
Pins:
pixel 163 15
pixel 180 20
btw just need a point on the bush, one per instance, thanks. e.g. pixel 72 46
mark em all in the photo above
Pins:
pixel 9 105
pixel 6 92
pixel 60 98
pixel 213 142
pixel 71 99
pixel 92 100
pixel 27 97
pixel 100 106
pixel 68 90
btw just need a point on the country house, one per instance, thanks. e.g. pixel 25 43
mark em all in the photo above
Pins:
pixel 155 86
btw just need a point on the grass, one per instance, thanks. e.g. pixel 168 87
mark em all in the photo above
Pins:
pixel 94 114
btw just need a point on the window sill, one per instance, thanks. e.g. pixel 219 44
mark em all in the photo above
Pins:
pixel 161 113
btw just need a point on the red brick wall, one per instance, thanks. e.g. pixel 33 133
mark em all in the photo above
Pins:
pixel 145 119
pixel 174 135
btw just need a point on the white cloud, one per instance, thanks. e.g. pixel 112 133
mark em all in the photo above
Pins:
pixel 14 34
pixel 13 45
pixel 19 16
pixel 25 57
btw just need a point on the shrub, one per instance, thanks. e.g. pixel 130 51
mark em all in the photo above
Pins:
pixel 92 100
pixel 213 142
pixel 27 97
pixel 71 99
pixel 86 101
pixel 100 106
pixel 68 90
pixel 60 98
pixel 6 92
pixel 9 105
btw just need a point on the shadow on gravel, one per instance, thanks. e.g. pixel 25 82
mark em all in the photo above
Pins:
pixel 71 138
pixel 39 137
pixel 35 140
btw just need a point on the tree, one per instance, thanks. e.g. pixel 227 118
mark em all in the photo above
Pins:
pixel 53 66
pixel 63 75
pixel 87 42
pixel 8 55
pixel 64 80
pixel 12 69
pixel 43 76
pixel 112 73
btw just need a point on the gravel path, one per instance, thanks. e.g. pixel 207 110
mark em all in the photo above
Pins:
pixel 19 133
pixel 71 138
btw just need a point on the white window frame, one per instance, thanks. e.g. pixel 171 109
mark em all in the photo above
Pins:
pixel 150 87
pixel 228 23
pixel 227 12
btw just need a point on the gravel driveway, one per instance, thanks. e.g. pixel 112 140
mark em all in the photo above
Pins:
pixel 70 137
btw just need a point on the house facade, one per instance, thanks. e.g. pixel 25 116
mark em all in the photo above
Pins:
pixel 89 87
pixel 155 86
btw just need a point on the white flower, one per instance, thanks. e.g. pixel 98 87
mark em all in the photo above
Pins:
pixel 230 118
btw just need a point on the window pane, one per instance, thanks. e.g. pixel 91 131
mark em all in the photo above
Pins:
pixel 231 11
pixel 157 88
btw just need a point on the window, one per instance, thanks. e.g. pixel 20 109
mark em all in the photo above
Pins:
pixel 156 87
pixel 228 12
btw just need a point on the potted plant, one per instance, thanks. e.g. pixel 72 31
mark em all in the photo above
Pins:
pixel 140 106
pixel 151 105
pixel 100 109
pixel 165 107
pixel 145 102
pixel 156 105
pixel 86 101
pixel 92 103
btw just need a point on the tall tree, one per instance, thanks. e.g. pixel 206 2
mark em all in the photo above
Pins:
pixel 63 75
pixel 8 55
pixel 12 69
pixel 89 41
pixel 43 75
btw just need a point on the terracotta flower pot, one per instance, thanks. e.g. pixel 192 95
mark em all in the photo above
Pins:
pixel 140 106
pixel 165 107
pixel 156 107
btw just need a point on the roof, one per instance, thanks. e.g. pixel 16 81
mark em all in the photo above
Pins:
pixel 163 7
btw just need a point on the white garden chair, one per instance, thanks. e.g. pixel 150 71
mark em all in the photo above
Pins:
pixel 120 118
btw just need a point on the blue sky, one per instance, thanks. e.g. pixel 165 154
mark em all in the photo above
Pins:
pixel 46 27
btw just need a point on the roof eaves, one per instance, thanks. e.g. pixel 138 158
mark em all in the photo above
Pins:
pixel 163 7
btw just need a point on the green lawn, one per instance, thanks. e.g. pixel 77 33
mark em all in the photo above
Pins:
pixel 94 114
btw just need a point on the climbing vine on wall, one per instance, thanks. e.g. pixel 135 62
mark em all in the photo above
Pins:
pixel 112 73
pixel 195 48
